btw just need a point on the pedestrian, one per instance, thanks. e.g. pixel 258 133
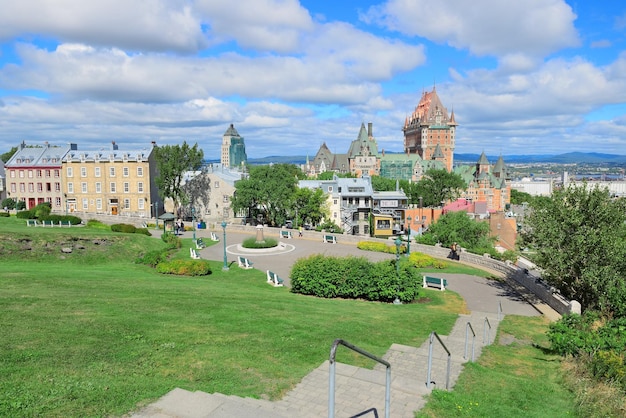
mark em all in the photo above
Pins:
pixel 300 231
pixel 453 251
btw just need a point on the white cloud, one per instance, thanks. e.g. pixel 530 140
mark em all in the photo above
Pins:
pixel 153 25
pixel 484 27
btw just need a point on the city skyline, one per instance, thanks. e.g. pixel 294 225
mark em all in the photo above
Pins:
pixel 529 77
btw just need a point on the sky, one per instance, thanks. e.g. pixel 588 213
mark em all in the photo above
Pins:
pixel 523 77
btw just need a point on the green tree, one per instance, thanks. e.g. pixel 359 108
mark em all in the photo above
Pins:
pixel 172 163
pixel 460 228
pixel 7 155
pixel 269 191
pixel 198 192
pixel 579 241
pixel 517 197
pixel 438 186
pixel 9 203
pixel 311 206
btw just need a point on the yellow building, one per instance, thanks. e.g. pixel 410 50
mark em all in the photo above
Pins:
pixel 111 182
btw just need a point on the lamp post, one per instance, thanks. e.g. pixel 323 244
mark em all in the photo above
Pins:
pixel 193 221
pixel 398 243
pixel 408 239
pixel 225 268
pixel 421 220
pixel 156 213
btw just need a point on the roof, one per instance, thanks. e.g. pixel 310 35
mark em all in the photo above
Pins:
pixel 231 131
pixel 38 155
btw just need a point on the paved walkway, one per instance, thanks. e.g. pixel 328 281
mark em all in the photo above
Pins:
pixel 357 389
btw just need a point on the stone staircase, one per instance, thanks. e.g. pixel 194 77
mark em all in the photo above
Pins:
pixel 357 389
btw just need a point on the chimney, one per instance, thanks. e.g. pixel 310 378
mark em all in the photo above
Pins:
pixel 383 152
pixel 153 143
pixel 369 129
pixel 73 147
pixel 113 146
pixel 46 144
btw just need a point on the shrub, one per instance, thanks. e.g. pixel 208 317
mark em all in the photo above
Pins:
pixel 354 278
pixel 185 267
pixel 251 243
pixel 96 224
pixel 42 210
pixel 152 258
pixel 74 220
pixel 421 260
pixel 25 214
pixel 9 203
pixel 171 240
pixel 126 228
pixel 4 214
pixel 381 247
pixel 143 231
pixel 20 205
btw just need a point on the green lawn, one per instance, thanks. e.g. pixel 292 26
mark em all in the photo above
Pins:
pixel 93 334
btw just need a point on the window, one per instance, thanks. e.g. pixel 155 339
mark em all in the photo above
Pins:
pixel 125 171
pixel 57 201
pixel 225 198
pixel 140 204
pixel 226 213
pixel 140 187
pixel 139 171
pixel 13 188
pixel 83 171
pixel 47 173
pixel 98 204
pixel 112 171
pixel 12 174
pixel 126 187
pixel 96 171
pixel 21 174
pixel 70 172
pixel 112 187
pixel 39 187
pixel 31 188
pixel 39 173
pixel 57 187
pixel 330 189
pixel 126 203
pixel 48 187
pixel 98 187
pixel 207 211
pixel 57 173
pixel 83 187
pixel 30 174
pixel 85 203
pixel 217 185
pixel 22 187
pixel 70 187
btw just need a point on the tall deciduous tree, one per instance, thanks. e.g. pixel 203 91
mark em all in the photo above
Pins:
pixel 172 163
pixel 438 186
pixel 269 190
pixel 579 241
pixel 311 206
pixel 458 227
pixel 7 155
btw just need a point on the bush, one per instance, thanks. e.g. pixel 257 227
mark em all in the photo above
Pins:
pixel 25 214
pixel 380 247
pixel 126 228
pixel 74 220
pixel 171 240
pixel 8 203
pixel 4 214
pixel 20 205
pixel 152 258
pixel 143 231
pixel 421 260
pixel 355 278
pixel 96 224
pixel 185 267
pixel 251 243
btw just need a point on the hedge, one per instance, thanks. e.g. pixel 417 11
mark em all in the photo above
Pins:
pixel 380 247
pixel 185 267
pixel 355 278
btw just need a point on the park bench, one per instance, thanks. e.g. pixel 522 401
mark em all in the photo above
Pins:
pixel 32 222
pixel 330 238
pixel 244 263
pixel 193 254
pixel 199 244
pixel 47 223
pixel 214 237
pixel 65 223
pixel 435 282
pixel 286 234
pixel 273 279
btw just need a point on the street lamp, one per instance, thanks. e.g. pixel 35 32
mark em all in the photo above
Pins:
pixel 156 213
pixel 408 240
pixel 193 221
pixel 225 268
pixel 421 219
pixel 398 243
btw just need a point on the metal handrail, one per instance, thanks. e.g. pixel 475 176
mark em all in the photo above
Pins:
pixel 499 310
pixel 469 327
pixel 486 331
pixel 430 359
pixel 331 377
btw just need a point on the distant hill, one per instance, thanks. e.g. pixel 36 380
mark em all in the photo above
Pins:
pixel 567 158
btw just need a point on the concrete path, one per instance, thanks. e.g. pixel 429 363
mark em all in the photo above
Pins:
pixel 357 389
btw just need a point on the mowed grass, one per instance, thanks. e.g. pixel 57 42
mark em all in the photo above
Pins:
pixel 517 376
pixel 91 333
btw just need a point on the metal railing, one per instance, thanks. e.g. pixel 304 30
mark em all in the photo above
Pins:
pixel 331 377
pixel 468 328
pixel 486 332
pixel 499 310
pixel 434 335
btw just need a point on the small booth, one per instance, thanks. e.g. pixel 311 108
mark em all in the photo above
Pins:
pixel 167 218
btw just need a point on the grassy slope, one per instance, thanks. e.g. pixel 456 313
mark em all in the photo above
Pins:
pixel 93 334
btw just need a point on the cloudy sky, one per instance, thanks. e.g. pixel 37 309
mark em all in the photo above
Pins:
pixel 523 77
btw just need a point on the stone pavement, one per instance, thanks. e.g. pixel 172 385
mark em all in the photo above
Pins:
pixel 357 389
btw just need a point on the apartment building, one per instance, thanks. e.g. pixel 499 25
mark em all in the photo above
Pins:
pixel 33 174
pixel 111 182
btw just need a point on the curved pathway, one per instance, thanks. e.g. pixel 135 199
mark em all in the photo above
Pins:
pixel 356 388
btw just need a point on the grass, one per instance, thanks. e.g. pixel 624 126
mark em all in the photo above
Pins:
pixel 515 377
pixel 90 333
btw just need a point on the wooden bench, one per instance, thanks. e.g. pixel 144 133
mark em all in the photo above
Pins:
pixel 32 222
pixel 199 244
pixel 273 279
pixel 193 254
pixel 244 263
pixel 330 238
pixel 441 284
pixel 65 223
pixel 47 223
pixel 286 234
pixel 214 237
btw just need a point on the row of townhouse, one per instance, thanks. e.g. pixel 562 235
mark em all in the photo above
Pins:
pixel 108 182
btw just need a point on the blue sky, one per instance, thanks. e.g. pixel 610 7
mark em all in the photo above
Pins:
pixel 523 77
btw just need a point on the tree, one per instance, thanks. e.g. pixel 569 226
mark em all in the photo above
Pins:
pixel 7 155
pixel 9 203
pixel 269 191
pixel 438 186
pixel 311 206
pixel 578 238
pixel 458 227
pixel 198 191
pixel 172 163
